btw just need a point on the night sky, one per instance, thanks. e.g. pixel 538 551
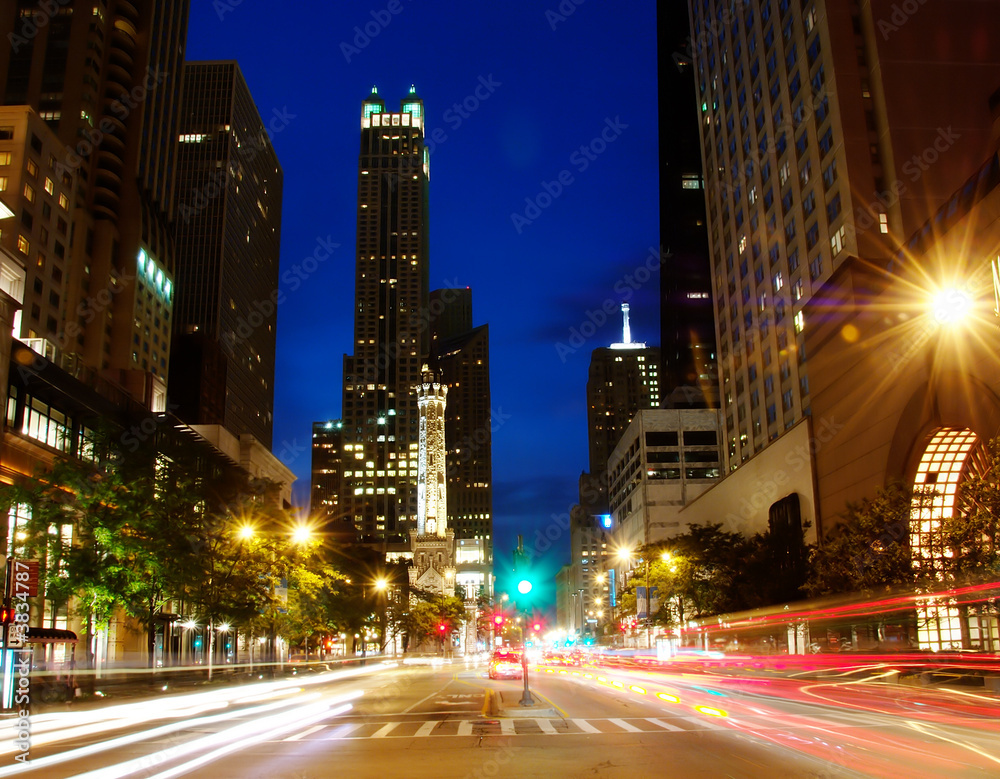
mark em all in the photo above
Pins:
pixel 549 83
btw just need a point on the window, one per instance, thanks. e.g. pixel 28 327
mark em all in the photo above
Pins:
pixel 778 281
pixel 812 237
pixel 29 192
pixel 49 186
pixel 22 244
pixel 826 142
pixel 786 400
pixel 816 268
pixel 4 158
pixel 798 290
pixel 830 175
pixel 32 167
pixel 785 172
pixel 3 183
pixel 837 241
pixel 63 202
pixel 772 414
pixel 800 322
pixel 883 223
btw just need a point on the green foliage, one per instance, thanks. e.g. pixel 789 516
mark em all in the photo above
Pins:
pixel 426 615
pixel 870 550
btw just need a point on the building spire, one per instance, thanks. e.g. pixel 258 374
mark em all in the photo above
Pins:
pixel 626 332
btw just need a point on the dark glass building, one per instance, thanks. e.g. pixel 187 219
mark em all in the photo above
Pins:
pixel 391 332
pixel 687 321
pixel 229 187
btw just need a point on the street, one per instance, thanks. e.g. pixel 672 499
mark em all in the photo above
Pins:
pixel 427 719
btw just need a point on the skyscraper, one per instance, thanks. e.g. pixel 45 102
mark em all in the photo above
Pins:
pixel 380 422
pixel 623 378
pixel 827 132
pixel 689 374
pixel 107 80
pixel 229 187
pixel 461 353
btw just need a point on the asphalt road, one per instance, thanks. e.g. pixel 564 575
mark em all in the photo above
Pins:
pixel 423 720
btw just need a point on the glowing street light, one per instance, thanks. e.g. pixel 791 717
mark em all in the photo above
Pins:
pixel 951 306
pixel 246 532
pixel 301 534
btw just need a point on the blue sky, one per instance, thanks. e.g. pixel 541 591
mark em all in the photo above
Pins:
pixel 543 200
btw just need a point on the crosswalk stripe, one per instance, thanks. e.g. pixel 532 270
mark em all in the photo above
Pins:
pixel 343 730
pixel 507 727
pixel 465 728
pixel 304 733
pixel 585 726
pixel 625 726
pixel 426 728
pixel 385 730
pixel 662 724
pixel 546 726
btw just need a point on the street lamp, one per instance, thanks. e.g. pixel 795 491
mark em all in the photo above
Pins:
pixel 381 587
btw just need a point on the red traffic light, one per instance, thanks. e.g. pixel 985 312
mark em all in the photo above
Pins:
pixel 537 626
pixel 442 628
pixel 6 616
pixel 498 619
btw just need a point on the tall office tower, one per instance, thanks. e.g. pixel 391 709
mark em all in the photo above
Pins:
pixel 107 79
pixel 623 378
pixel 324 506
pixel 229 188
pixel 689 374
pixel 390 332
pixel 828 131
pixel 461 353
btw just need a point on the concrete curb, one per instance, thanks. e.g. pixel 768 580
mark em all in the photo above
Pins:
pixel 513 709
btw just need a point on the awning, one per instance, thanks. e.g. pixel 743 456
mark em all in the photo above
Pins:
pixel 50 636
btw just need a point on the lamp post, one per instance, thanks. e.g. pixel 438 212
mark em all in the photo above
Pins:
pixel 524 587
pixel 381 587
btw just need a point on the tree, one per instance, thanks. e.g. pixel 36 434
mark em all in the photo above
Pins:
pixel 428 613
pixel 870 550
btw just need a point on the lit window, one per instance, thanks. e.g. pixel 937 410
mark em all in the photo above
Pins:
pixel 29 192
pixel 32 167
pixel 883 223
pixel 800 322
pixel 4 158
pixel 49 186
pixel 22 244
pixel 3 183
pixel 64 202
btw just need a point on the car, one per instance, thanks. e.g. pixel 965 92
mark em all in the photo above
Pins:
pixel 505 664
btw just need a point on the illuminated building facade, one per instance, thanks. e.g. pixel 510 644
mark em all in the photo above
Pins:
pixel 461 353
pixel 104 72
pixel 229 188
pixel 380 420
pixel 623 378
pixel 327 448
pixel 827 134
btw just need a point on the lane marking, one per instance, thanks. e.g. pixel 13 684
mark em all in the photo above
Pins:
pixel 385 730
pixel 507 727
pixel 625 726
pixel 426 728
pixel 343 730
pixel 662 724
pixel 546 726
pixel 465 728
pixel 304 733
pixel 585 726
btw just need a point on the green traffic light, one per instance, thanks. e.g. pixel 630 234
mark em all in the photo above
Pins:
pixel 524 586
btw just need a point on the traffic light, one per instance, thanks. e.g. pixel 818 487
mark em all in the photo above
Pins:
pixel 536 626
pixel 524 586
pixel 498 620
pixel 442 628
pixel 6 615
